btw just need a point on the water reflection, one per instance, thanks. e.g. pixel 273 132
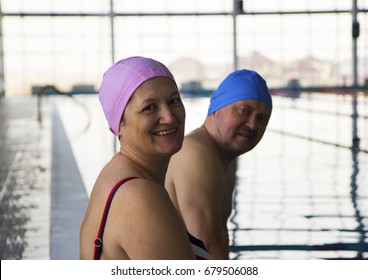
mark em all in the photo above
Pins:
pixel 362 248
pixel 300 194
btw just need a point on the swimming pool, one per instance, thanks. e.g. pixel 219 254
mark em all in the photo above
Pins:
pixel 302 193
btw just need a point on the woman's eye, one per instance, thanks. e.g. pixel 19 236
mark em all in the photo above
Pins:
pixel 148 108
pixel 175 101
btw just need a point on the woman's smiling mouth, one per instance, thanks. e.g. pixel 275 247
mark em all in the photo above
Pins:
pixel 165 132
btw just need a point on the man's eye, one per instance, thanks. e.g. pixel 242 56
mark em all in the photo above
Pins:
pixel 263 119
pixel 244 111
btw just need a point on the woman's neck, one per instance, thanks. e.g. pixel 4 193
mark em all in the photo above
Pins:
pixel 153 169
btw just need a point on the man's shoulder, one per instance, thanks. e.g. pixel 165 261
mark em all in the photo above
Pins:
pixel 198 141
pixel 198 154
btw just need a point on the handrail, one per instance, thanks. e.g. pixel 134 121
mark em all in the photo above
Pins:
pixel 41 92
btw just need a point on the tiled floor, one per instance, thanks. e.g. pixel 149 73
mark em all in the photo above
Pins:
pixel 24 180
pixel 42 195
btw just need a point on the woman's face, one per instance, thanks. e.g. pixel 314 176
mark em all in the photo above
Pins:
pixel 154 119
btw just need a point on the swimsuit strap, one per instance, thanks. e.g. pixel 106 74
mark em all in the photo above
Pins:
pixel 98 240
pixel 199 249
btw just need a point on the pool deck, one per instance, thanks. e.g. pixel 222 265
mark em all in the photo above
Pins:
pixel 42 195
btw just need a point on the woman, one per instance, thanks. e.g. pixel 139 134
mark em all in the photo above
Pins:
pixel 130 215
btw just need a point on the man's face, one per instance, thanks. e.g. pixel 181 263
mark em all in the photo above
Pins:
pixel 241 125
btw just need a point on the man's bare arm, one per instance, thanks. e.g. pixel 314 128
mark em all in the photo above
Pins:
pixel 199 186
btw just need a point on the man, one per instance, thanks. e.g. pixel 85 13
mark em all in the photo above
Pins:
pixel 201 176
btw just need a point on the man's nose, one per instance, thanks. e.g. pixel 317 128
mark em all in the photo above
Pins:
pixel 252 121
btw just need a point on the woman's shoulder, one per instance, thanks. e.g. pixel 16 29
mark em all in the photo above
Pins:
pixel 141 211
pixel 140 199
pixel 135 198
pixel 140 193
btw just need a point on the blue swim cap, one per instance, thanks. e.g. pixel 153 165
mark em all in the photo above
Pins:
pixel 240 85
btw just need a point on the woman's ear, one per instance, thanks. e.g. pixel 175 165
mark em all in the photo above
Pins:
pixel 121 126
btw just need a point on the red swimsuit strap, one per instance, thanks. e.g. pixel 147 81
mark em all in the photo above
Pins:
pixel 98 240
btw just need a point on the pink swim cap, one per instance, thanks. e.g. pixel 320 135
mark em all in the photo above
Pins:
pixel 121 80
